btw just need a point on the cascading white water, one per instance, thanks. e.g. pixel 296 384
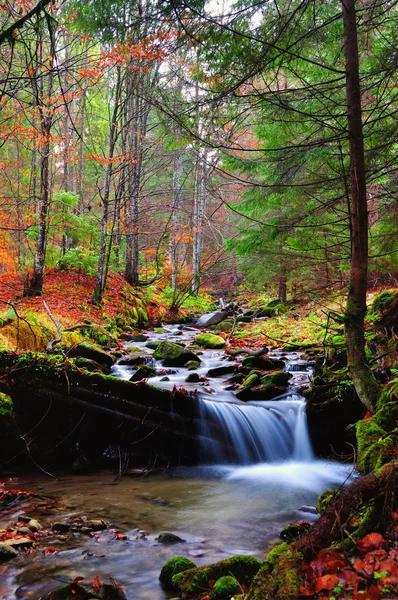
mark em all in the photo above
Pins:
pixel 272 432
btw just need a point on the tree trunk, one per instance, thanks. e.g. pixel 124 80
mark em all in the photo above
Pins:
pixel 363 378
pixel 101 269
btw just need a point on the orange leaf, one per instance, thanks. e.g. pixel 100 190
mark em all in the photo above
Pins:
pixel 372 541
pixel 96 584
pixel 326 582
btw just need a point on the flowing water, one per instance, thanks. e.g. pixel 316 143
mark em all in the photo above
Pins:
pixel 220 509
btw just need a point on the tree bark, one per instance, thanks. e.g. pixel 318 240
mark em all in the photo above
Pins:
pixel 363 379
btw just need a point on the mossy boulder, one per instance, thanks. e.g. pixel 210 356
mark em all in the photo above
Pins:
pixel 174 355
pixel 173 567
pixel 267 387
pixel 225 587
pixel 88 364
pixel 252 379
pixel 143 372
pixel 169 539
pixel 6 405
pixel 194 581
pixel 279 577
pixel 259 362
pixel 93 352
pixel 209 340
pixel 224 326
pixel 294 530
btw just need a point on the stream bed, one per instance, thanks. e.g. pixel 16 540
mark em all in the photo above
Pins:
pixel 218 509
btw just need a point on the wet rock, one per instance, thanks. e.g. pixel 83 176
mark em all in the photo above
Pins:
pixel 165 379
pixel 260 392
pixel 238 378
pixel 192 365
pixel 173 355
pixel 264 364
pixel 7 552
pixel 97 524
pixel 219 371
pixel 61 527
pixel 133 361
pixel 23 542
pixel 34 525
pixel 144 372
pixel 169 539
pixel 24 530
pixel 193 378
pixel 211 319
pixel 294 530
pixel 306 508
pixel 78 590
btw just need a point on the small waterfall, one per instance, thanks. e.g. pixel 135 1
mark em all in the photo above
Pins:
pixel 271 432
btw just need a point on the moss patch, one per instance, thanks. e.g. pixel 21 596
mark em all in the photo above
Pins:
pixel 6 405
pixel 172 567
pixel 280 577
pixel 209 340
pixel 195 581
pixel 225 587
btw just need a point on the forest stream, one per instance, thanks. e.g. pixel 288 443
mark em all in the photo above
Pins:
pixel 219 509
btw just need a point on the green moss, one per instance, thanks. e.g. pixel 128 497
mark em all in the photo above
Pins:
pixel 173 355
pixel 280 576
pixel 172 567
pixel 383 300
pixel 252 379
pixel 209 340
pixel 225 587
pixel 6 405
pixel 278 378
pixel 192 365
pixel 325 499
pixel 194 581
pixel 374 444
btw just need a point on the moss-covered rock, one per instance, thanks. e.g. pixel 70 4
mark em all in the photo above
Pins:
pixel 173 567
pixel 6 405
pixel 143 372
pixel 259 362
pixel 252 379
pixel 225 587
pixel 294 530
pixel 209 340
pixel 174 355
pixel 88 364
pixel 194 581
pixel 278 378
pixel 93 352
pixel 280 576
pixel 192 365
pixel 383 300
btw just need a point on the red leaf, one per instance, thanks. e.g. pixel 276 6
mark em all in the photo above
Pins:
pixel 96 584
pixel 372 541
pixel 326 582
pixel 306 589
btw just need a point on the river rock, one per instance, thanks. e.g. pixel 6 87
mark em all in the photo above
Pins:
pixel 259 362
pixel 211 319
pixel 7 551
pixel 210 340
pixel 173 355
pixel 260 392
pixel 144 372
pixel 77 590
pixel 61 527
pixel 34 525
pixel 193 378
pixel 219 371
pixel 133 360
pixel 169 539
